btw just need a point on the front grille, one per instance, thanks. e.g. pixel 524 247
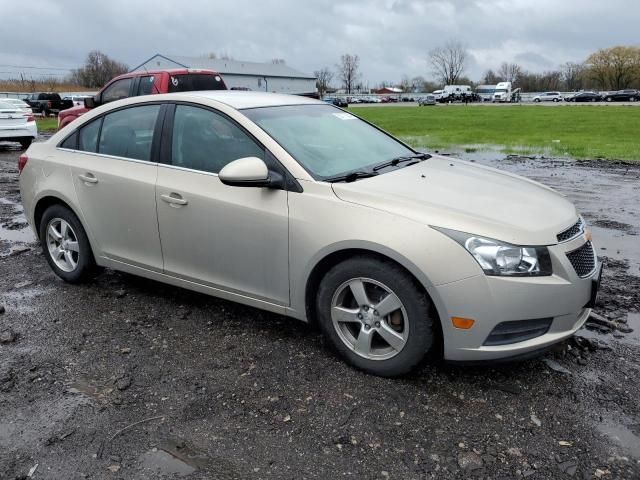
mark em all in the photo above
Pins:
pixel 571 232
pixel 583 260
pixel 518 331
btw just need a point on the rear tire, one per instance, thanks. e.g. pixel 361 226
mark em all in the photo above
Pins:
pixel 26 143
pixel 537 100
pixel 65 245
pixel 388 330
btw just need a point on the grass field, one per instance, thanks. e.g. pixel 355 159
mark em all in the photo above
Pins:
pixel 611 132
pixel 47 124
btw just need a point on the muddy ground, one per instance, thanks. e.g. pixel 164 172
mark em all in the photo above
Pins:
pixel 128 378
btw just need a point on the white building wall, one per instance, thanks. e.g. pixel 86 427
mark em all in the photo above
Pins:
pixel 254 83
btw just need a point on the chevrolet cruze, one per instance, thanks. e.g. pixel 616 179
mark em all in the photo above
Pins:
pixel 298 207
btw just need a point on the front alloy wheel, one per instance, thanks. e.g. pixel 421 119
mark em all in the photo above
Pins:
pixel 370 319
pixel 376 315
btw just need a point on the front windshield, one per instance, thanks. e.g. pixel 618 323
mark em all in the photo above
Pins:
pixel 325 140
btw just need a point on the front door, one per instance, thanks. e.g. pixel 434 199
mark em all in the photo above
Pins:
pixel 233 238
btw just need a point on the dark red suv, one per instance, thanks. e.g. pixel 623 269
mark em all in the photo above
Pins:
pixel 146 83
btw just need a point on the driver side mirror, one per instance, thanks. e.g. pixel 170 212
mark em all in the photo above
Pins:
pixel 249 172
pixel 92 102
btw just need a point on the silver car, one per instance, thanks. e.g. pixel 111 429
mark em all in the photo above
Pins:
pixel 297 207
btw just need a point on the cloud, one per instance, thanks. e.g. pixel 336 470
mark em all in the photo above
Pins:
pixel 392 37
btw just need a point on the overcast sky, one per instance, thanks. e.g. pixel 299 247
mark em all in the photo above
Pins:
pixel 392 37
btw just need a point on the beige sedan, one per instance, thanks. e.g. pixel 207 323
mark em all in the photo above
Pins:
pixel 297 207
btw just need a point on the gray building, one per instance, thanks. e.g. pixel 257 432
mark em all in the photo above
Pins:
pixel 268 77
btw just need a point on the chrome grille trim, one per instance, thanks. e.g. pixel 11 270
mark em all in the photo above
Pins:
pixel 583 260
pixel 572 232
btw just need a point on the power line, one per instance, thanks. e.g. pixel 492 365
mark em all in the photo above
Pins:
pixel 34 68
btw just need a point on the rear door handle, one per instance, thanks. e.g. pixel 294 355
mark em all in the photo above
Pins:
pixel 88 178
pixel 174 199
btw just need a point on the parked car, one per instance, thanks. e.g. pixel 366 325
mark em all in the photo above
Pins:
pixel 19 104
pixel 427 100
pixel 548 97
pixel 622 96
pixel 16 125
pixel 294 206
pixel 584 97
pixel 146 83
pixel 338 101
pixel 47 103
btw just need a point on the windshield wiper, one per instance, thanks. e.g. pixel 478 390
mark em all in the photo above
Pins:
pixel 351 176
pixel 404 158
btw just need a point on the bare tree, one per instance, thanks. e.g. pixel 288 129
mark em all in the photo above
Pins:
pixel 448 62
pixel 323 80
pixel 405 84
pixel 490 78
pixel 97 70
pixel 615 67
pixel 510 72
pixel 573 75
pixel 348 71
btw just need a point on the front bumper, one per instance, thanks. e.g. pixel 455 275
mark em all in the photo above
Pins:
pixel 563 297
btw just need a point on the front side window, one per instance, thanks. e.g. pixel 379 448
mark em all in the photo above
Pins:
pixel 325 140
pixel 117 90
pixel 129 132
pixel 207 141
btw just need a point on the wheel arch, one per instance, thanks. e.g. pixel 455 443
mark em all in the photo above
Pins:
pixel 47 201
pixel 330 259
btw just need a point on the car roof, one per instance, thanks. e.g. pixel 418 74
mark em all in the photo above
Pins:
pixel 240 100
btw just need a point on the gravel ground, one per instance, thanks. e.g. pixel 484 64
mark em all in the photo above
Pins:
pixel 128 378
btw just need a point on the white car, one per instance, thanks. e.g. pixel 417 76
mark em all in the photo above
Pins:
pixel 16 125
pixel 292 205
pixel 548 97
pixel 17 103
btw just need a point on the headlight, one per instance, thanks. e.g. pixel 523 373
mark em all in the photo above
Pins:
pixel 500 258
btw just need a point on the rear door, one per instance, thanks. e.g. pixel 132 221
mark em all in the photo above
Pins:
pixel 114 173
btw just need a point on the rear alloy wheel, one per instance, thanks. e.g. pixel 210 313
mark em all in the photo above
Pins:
pixel 376 316
pixel 65 244
pixel 633 99
pixel 608 99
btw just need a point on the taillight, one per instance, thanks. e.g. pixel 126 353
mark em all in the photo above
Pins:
pixel 49 103
pixel 30 117
pixel 22 162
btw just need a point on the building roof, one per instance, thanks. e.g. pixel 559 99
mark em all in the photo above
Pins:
pixel 234 66
pixel 240 100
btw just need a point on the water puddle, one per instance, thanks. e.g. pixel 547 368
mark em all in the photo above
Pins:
pixel 15 233
pixel 624 435
pixel 632 338
pixel 173 458
pixel 23 299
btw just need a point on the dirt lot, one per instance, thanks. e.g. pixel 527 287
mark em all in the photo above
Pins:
pixel 127 378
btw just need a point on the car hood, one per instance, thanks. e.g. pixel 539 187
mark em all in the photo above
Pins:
pixel 463 196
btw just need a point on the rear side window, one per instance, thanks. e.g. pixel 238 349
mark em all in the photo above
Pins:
pixel 146 85
pixel 207 141
pixel 195 81
pixel 88 137
pixel 117 90
pixel 129 132
pixel 71 142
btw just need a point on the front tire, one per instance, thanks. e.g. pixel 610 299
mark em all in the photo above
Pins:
pixel 65 245
pixel 537 100
pixel 376 316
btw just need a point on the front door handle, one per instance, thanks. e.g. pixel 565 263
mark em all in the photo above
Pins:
pixel 88 178
pixel 174 199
